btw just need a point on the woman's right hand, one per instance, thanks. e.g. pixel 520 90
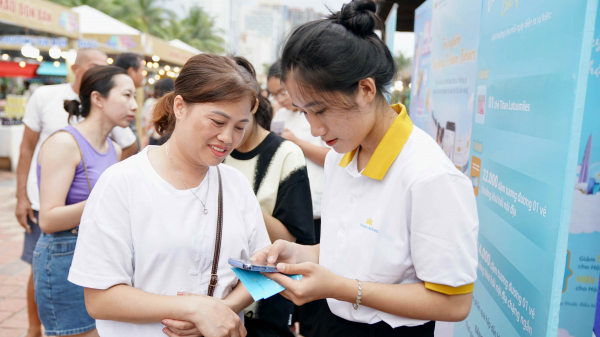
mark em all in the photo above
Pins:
pixel 279 251
pixel 215 319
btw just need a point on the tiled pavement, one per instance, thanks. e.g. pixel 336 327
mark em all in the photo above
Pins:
pixel 14 273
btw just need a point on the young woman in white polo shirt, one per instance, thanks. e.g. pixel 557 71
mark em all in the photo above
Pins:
pixel 151 230
pixel 399 221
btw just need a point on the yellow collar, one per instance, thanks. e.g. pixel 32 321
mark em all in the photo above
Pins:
pixel 388 149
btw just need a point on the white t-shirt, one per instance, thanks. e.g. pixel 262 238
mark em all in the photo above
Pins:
pixel 409 216
pixel 45 114
pixel 138 230
pixel 297 123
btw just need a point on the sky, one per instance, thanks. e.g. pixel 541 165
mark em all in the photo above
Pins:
pixel 403 42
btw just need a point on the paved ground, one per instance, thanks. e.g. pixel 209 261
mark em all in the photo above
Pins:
pixel 13 272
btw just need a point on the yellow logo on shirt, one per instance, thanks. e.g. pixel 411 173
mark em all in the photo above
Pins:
pixel 369 225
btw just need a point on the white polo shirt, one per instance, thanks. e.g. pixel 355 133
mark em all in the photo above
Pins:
pixel 409 216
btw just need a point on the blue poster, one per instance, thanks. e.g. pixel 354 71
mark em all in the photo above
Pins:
pixel 455 40
pixel 532 71
pixel 444 74
pixel 580 284
pixel 420 110
pixel 597 319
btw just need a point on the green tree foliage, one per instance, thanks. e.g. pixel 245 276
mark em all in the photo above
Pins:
pixel 197 30
pixel 108 7
pixel 402 62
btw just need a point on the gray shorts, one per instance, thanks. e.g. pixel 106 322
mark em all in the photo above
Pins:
pixel 31 239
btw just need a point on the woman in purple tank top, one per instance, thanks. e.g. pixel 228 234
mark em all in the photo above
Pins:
pixel 69 164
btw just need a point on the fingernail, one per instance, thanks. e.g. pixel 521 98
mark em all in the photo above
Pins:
pixel 164 322
pixel 271 259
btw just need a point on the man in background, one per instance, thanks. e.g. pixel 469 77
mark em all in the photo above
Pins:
pixel 132 63
pixel 44 115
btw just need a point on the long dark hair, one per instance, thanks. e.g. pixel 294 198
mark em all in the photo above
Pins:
pixel 98 78
pixel 204 78
pixel 330 56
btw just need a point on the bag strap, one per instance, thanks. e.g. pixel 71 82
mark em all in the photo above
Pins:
pixel 87 176
pixel 214 278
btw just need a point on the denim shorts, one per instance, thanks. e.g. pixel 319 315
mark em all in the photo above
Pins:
pixel 61 305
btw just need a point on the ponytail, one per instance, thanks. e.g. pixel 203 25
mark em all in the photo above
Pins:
pixel 163 117
pixel 73 107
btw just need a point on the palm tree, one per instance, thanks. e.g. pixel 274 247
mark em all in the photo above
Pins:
pixel 145 15
pixel 198 31
pixel 105 6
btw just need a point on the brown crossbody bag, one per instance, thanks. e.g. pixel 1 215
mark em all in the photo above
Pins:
pixel 214 278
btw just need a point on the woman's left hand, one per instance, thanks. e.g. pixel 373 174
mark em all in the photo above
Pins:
pixel 176 328
pixel 317 282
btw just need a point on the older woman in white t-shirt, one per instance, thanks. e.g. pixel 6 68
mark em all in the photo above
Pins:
pixel 149 229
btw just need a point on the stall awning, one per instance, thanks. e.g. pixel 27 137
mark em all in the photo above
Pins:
pixel 13 69
pixel 182 45
pixel 48 69
pixel 165 50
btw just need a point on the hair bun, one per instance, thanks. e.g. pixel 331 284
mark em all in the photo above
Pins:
pixel 359 17
pixel 73 107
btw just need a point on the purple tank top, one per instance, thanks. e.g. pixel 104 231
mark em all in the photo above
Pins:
pixel 95 162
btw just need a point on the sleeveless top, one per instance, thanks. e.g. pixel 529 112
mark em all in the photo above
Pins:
pixel 95 162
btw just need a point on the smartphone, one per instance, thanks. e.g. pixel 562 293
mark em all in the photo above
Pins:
pixel 254 265
pixel 448 140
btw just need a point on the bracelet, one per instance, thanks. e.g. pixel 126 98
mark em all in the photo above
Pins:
pixel 358 296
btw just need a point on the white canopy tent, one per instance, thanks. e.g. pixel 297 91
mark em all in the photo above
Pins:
pixel 93 21
pixel 182 45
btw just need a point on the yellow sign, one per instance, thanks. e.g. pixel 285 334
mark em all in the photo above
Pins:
pixel 112 43
pixel 40 15
pixel 155 46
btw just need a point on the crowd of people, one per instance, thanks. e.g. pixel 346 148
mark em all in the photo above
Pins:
pixel 348 194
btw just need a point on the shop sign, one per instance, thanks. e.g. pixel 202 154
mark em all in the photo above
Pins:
pixel 36 41
pixel 40 15
pixel 121 42
pixel 111 43
pixel 87 43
